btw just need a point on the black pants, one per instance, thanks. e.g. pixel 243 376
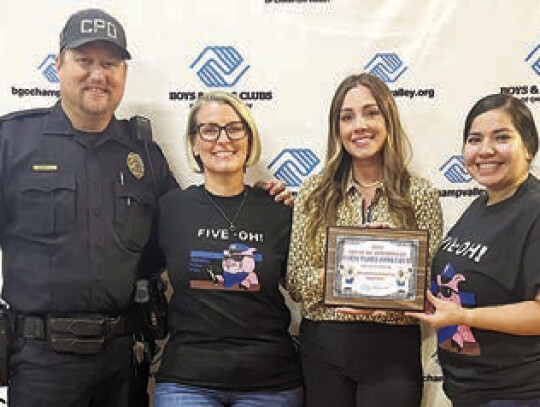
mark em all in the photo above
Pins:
pixel 41 377
pixel 361 364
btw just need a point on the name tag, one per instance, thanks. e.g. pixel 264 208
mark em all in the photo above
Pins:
pixel 44 167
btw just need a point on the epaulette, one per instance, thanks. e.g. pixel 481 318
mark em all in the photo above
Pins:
pixel 25 113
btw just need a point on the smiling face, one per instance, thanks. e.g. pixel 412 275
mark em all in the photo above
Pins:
pixel 495 155
pixel 92 81
pixel 362 128
pixel 221 156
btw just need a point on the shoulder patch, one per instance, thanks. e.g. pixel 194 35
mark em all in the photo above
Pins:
pixel 25 113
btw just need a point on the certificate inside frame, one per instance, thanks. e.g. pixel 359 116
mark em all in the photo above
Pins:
pixel 376 268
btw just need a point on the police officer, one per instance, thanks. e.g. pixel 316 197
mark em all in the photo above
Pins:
pixel 78 192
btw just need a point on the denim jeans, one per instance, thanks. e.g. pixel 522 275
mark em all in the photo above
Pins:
pixel 500 403
pixel 179 395
pixel 512 403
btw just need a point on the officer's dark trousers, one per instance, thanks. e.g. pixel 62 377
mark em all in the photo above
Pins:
pixel 41 377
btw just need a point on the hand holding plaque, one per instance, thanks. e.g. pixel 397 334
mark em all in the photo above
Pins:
pixel 376 268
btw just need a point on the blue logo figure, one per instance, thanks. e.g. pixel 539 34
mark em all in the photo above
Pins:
pixel 220 66
pixel 292 165
pixel 48 68
pixel 455 171
pixel 536 64
pixel 388 67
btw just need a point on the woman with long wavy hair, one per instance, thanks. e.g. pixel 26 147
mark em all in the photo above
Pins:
pixel 359 357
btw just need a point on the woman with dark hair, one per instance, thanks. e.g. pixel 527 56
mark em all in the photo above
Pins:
pixel 359 358
pixel 486 274
pixel 229 342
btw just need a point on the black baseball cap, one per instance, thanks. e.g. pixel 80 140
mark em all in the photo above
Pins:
pixel 93 25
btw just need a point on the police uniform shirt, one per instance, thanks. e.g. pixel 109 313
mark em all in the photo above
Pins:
pixel 76 214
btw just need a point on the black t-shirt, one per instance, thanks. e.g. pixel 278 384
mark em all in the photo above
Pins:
pixel 491 257
pixel 228 319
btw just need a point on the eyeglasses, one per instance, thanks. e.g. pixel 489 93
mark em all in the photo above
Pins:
pixel 211 131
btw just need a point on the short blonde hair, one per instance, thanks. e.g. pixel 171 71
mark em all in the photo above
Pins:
pixel 240 108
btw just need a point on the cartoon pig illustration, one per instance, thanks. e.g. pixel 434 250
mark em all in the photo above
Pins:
pixel 238 266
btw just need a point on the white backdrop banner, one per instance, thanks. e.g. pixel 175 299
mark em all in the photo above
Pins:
pixel 285 58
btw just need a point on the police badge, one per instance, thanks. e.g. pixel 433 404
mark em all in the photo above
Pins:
pixel 135 165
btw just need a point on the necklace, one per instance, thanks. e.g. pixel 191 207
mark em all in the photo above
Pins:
pixel 368 185
pixel 232 227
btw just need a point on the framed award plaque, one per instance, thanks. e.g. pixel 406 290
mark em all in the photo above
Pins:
pixel 376 268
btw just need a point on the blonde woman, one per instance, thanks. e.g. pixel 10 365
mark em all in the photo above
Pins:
pixel 229 344
pixel 359 358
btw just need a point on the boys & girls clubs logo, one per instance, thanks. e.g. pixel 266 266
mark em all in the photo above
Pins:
pixel 389 67
pixel 528 93
pixel 220 67
pixel 294 165
pixel 455 172
pixel 46 69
